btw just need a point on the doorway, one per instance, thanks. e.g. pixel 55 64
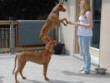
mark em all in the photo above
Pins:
pixel 96 8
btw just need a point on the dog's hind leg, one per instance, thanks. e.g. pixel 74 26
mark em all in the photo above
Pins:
pixel 21 70
pixel 15 65
pixel 45 67
pixel 16 73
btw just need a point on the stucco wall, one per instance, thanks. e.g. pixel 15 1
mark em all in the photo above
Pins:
pixel 67 33
pixel 105 35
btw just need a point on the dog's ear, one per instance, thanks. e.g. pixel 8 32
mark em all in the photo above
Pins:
pixel 61 1
pixel 60 5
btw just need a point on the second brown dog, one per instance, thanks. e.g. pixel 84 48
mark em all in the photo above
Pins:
pixel 42 57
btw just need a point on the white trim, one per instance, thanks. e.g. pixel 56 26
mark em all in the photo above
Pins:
pixel 94 60
pixel 94 48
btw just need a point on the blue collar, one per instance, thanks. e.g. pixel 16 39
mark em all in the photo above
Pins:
pixel 55 12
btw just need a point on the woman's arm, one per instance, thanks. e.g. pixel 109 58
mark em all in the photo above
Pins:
pixel 90 21
pixel 89 18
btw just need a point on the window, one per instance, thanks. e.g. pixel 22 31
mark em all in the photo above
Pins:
pixel 96 4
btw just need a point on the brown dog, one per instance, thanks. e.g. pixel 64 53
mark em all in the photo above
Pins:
pixel 42 57
pixel 52 22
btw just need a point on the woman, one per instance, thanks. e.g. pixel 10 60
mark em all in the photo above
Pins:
pixel 84 34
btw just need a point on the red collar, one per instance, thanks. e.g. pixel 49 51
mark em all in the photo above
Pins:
pixel 48 52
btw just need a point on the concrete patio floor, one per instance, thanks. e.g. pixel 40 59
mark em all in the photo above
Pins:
pixel 62 69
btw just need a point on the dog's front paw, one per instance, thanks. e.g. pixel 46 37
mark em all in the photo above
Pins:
pixel 17 81
pixel 65 24
pixel 47 79
pixel 24 78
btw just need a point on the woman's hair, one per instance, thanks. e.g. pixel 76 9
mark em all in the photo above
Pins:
pixel 86 7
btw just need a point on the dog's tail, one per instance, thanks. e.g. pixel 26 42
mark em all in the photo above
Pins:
pixel 14 65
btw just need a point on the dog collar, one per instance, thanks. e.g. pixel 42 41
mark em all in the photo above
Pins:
pixel 55 12
pixel 48 52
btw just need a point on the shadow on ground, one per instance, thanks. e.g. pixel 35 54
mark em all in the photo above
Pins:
pixel 92 74
pixel 1 77
pixel 52 81
pixel 61 81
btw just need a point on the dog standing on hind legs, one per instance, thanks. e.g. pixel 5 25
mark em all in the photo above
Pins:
pixel 42 57
pixel 52 22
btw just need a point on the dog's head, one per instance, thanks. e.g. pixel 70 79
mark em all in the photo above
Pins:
pixel 59 7
pixel 50 46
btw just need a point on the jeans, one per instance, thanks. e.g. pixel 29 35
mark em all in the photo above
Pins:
pixel 84 43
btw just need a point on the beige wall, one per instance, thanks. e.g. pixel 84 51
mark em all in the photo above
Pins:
pixel 105 35
pixel 67 33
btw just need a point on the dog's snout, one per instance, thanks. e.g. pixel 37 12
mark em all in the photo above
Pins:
pixel 64 10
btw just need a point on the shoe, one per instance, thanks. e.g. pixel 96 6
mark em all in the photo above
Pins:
pixel 83 72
